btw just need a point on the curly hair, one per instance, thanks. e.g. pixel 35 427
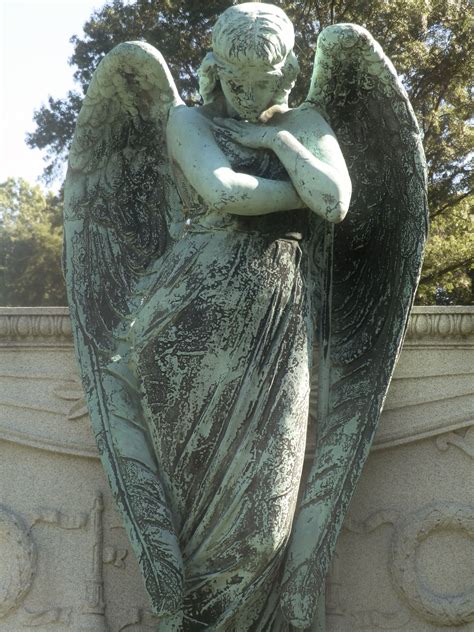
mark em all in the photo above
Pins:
pixel 252 33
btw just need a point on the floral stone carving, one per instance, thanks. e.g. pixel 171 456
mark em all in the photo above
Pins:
pixel 442 609
pixel 18 561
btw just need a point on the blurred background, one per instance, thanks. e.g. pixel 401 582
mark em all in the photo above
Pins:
pixel 49 50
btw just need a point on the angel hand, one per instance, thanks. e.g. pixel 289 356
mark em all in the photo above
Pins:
pixel 255 136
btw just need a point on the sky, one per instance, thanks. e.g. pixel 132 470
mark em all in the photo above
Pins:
pixel 34 51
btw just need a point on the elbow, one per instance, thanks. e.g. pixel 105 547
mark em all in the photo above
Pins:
pixel 215 198
pixel 335 214
pixel 227 195
pixel 336 218
pixel 213 191
pixel 218 194
pixel 330 197
pixel 221 200
pixel 332 208
pixel 338 202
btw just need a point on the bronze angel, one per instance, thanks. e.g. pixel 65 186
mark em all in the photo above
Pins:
pixel 207 253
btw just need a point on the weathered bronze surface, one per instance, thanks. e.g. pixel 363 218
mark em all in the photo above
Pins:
pixel 207 252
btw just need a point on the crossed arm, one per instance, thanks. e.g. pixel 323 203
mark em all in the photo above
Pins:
pixel 320 182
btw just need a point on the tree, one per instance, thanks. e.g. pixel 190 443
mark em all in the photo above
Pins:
pixel 30 246
pixel 179 29
pixel 429 41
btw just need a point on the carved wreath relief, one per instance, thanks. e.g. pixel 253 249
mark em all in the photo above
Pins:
pixel 18 570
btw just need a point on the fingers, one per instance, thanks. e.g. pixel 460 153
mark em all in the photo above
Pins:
pixel 229 125
pixel 232 124
pixel 234 130
pixel 242 132
pixel 233 134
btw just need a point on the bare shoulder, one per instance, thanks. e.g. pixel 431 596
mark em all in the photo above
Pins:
pixel 304 120
pixel 308 125
pixel 183 115
pixel 188 126
pixel 191 144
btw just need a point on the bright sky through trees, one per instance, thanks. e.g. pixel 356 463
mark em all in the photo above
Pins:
pixel 34 50
pixel 429 41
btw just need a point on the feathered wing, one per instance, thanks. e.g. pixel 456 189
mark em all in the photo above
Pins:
pixel 366 272
pixel 120 204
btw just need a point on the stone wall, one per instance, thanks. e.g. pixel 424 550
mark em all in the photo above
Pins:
pixel 404 559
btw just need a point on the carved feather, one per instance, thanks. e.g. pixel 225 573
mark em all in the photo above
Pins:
pixel 365 281
pixel 119 203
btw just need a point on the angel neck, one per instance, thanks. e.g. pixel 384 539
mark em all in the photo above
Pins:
pixel 215 109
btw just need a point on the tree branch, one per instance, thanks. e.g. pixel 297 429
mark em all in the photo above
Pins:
pixel 450 268
pixel 452 202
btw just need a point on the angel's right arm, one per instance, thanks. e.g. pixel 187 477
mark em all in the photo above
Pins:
pixel 192 145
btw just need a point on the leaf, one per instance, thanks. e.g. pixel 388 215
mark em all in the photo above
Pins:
pixel 77 410
pixel 68 392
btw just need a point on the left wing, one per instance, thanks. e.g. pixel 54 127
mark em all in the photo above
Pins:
pixel 366 273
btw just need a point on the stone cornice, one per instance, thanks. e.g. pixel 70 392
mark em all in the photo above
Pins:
pixel 51 325
pixel 441 324
pixel 35 326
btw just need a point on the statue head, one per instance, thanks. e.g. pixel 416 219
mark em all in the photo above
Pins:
pixel 252 62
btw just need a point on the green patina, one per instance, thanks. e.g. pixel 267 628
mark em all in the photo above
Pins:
pixel 207 252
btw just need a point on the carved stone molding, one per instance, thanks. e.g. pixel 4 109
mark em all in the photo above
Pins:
pixel 445 323
pixel 51 325
pixel 92 615
pixel 441 609
pixel 141 620
pixel 40 326
pixel 365 620
pixel 464 443
pixel 17 561
pixel 71 391
pixel 373 522
pixel 43 618
pixel 59 519
pixel 15 579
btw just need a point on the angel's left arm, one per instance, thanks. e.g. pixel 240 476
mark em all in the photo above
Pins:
pixel 308 149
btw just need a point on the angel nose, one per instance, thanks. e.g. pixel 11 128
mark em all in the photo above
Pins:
pixel 248 92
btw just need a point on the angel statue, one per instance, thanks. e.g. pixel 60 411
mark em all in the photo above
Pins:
pixel 206 257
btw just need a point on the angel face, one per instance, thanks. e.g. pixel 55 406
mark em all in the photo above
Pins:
pixel 252 63
pixel 249 95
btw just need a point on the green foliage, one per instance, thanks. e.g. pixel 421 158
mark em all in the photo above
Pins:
pixel 30 246
pixel 180 29
pixel 429 41
pixel 448 270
